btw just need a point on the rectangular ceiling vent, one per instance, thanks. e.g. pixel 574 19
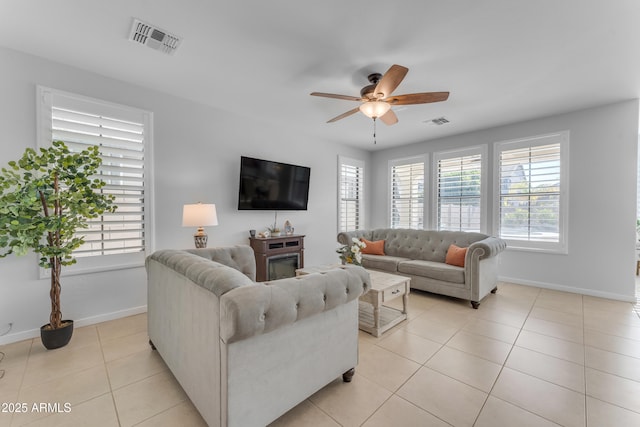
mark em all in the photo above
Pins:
pixel 153 37
pixel 438 121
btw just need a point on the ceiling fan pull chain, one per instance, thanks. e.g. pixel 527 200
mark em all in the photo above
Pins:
pixel 374 131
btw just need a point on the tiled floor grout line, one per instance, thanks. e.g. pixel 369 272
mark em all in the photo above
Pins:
pixel 104 360
pixel 422 365
pixel 154 415
pixel 24 374
pixel 489 394
pixel 377 409
pixel 461 328
pixel 605 372
pixel 308 399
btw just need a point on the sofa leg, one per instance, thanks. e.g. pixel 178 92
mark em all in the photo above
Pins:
pixel 475 304
pixel 153 347
pixel 347 376
pixel 494 290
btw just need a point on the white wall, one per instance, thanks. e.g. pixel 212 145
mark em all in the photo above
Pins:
pixel 196 153
pixel 602 201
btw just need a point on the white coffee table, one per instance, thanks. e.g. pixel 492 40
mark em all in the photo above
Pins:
pixel 317 269
pixel 375 317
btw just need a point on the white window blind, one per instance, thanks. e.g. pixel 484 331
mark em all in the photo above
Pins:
pixel 122 150
pixel 121 133
pixel 351 194
pixel 459 192
pixel 407 195
pixel 532 202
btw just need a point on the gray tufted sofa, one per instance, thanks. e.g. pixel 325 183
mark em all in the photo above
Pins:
pixel 420 254
pixel 245 352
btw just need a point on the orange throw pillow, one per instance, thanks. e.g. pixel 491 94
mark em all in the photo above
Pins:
pixel 373 248
pixel 455 255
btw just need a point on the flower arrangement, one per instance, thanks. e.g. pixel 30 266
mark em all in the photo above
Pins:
pixel 352 254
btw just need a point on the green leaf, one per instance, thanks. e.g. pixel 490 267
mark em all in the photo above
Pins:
pixel 27 189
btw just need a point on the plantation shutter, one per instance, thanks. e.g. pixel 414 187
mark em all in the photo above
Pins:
pixel 530 193
pixel 120 136
pixel 407 195
pixel 459 193
pixel 351 183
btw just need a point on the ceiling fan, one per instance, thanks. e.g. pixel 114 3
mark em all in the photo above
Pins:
pixel 376 99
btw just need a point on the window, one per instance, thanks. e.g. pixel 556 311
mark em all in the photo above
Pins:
pixel 532 192
pixel 114 240
pixel 407 193
pixel 459 190
pixel 350 194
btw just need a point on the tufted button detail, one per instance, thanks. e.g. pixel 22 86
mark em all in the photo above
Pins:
pixel 346 290
pixel 324 297
pixel 262 317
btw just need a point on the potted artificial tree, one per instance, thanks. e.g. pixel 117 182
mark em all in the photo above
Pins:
pixel 45 197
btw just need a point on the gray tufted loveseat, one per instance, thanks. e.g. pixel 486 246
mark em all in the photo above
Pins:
pixel 245 352
pixel 421 254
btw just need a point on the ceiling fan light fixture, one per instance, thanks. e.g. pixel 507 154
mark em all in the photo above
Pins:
pixel 374 109
pixel 376 98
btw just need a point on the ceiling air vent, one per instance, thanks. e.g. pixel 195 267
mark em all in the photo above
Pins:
pixel 438 121
pixel 153 37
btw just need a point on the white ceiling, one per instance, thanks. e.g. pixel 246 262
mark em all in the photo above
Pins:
pixel 502 60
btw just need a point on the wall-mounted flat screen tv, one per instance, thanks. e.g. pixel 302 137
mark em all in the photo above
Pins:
pixel 267 185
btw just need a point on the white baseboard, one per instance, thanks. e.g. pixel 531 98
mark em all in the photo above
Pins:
pixel 571 289
pixel 35 333
pixel 109 316
pixel 19 336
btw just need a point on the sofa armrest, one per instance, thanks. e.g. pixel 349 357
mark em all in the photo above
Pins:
pixel 481 250
pixel 252 310
pixel 211 275
pixel 486 248
pixel 481 267
pixel 239 257
pixel 344 238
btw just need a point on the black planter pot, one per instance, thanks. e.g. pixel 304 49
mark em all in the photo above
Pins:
pixel 56 338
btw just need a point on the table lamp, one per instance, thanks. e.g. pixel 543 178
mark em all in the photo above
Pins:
pixel 199 215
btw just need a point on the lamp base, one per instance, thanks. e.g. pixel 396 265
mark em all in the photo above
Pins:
pixel 200 240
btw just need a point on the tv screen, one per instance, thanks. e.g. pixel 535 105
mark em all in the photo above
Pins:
pixel 267 185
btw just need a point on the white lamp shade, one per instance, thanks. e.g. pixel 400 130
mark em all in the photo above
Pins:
pixel 199 215
pixel 374 109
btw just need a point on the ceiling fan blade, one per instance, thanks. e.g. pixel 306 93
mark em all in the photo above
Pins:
pixel 389 118
pixel 390 81
pixel 343 115
pixel 333 95
pixel 417 98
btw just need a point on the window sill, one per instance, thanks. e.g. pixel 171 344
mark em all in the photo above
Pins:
pixel 101 264
pixel 518 247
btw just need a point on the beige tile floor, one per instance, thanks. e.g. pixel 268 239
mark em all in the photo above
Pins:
pixel 526 357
